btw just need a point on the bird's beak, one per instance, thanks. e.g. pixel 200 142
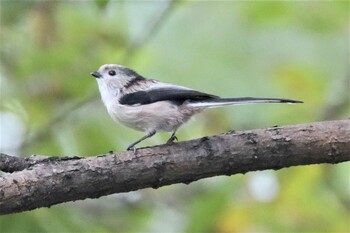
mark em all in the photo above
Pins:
pixel 96 74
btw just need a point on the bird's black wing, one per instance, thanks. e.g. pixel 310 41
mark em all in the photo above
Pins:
pixel 164 94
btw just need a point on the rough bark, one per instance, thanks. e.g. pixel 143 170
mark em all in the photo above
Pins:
pixel 42 182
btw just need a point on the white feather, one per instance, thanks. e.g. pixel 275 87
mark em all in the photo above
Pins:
pixel 160 85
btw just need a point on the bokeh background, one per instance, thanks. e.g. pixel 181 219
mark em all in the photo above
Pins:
pixel 50 104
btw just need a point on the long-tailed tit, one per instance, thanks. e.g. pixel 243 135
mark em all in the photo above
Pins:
pixel 151 106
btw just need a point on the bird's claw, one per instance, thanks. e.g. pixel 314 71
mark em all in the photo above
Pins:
pixel 132 148
pixel 172 139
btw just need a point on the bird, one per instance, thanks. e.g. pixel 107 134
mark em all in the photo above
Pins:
pixel 152 106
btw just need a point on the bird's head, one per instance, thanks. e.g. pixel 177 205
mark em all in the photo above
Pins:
pixel 117 74
pixel 110 71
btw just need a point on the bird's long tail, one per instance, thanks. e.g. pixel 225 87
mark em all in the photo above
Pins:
pixel 212 103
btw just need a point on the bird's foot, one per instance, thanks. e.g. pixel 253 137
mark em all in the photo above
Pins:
pixel 132 148
pixel 172 139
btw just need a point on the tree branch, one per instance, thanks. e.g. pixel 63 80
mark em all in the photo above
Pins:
pixel 43 182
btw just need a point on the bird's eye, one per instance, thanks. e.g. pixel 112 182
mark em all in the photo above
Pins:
pixel 112 72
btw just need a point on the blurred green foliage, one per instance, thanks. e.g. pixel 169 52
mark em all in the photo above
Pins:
pixel 296 50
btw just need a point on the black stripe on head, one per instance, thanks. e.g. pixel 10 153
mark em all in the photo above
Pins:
pixel 135 77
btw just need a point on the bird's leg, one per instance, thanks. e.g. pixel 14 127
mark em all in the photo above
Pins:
pixel 132 146
pixel 172 138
